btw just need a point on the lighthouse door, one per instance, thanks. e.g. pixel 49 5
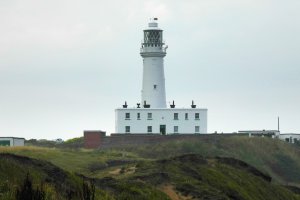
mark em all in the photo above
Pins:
pixel 162 129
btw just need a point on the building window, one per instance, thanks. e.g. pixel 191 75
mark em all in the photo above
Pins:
pixel 295 140
pixel 127 129
pixel 175 116
pixel 186 116
pixel 197 129
pixel 149 116
pixel 287 139
pixel 175 129
pixel 127 116
pixel 149 129
pixel 197 116
pixel 154 86
pixel 138 116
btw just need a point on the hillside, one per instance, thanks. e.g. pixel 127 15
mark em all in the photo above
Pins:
pixel 41 176
pixel 195 177
pixel 279 159
pixel 136 169
pixel 184 177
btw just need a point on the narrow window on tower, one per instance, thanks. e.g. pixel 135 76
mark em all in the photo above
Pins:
pixel 197 116
pixel 154 87
pixel 127 129
pixel 138 116
pixel 175 116
pixel 197 129
pixel 127 116
pixel 149 116
pixel 175 129
pixel 186 116
pixel 149 129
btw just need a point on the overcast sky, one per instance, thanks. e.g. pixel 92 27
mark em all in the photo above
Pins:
pixel 65 65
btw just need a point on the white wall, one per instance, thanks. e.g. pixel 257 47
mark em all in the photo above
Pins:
pixel 153 74
pixel 291 137
pixel 18 142
pixel 161 117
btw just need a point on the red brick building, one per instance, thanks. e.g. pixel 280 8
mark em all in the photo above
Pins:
pixel 92 139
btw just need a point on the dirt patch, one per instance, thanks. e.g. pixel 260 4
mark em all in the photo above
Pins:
pixel 115 172
pixel 123 170
pixel 131 170
pixel 172 193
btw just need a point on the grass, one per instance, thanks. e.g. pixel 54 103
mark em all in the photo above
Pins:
pixel 72 160
pixel 210 179
pixel 279 159
pixel 140 171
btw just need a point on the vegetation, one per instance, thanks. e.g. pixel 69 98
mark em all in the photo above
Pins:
pixel 26 178
pixel 279 159
pixel 211 178
pixel 71 143
pixel 214 168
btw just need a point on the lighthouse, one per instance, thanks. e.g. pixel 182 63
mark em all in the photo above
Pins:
pixel 153 51
pixel 151 115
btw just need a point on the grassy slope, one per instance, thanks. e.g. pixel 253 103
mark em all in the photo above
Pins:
pixel 214 178
pixel 190 176
pixel 56 182
pixel 277 158
pixel 79 160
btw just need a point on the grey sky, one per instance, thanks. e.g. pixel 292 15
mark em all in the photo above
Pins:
pixel 66 65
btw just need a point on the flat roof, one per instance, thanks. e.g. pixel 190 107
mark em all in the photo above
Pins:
pixel 260 131
pixel 161 109
pixel 13 137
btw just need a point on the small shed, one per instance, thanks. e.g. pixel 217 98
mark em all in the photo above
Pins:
pixel 92 139
pixel 12 141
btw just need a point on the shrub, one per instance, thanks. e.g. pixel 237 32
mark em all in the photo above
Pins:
pixel 27 192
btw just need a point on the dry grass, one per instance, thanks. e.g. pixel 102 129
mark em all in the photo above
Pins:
pixel 172 193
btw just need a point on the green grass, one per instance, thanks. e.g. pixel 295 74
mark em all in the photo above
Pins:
pixel 279 159
pixel 276 158
pixel 73 160
pixel 211 179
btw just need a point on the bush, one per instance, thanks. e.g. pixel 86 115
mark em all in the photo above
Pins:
pixel 27 192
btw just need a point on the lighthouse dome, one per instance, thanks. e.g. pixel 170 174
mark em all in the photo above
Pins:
pixel 153 25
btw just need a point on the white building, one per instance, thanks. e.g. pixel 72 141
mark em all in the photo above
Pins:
pixel 289 137
pixel 152 114
pixel 11 141
pixel 268 133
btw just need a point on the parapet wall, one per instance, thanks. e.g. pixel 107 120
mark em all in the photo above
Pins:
pixel 119 140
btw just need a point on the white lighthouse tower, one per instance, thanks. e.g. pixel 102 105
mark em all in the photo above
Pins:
pixel 153 51
pixel 151 115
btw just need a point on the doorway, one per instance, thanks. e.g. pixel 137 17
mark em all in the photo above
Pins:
pixel 162 129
